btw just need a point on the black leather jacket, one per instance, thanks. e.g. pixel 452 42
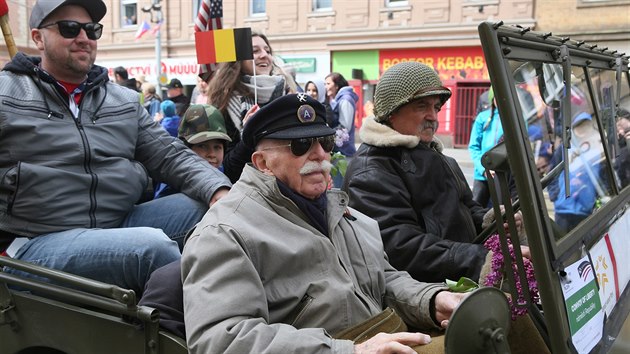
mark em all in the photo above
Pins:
pixel 421 201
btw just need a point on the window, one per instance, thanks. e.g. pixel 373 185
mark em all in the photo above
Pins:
pixel 128 13
pixel 396 3
pixel 257 7
pixel 319 5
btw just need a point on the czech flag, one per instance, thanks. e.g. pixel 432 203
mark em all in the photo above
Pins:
pixel 224 45
pixel 142 29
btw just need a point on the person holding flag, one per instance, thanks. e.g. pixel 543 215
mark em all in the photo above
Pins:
pixel 249 77
pixel 239 88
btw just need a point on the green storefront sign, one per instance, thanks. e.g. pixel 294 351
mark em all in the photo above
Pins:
pixel 366 60
pixel 302 65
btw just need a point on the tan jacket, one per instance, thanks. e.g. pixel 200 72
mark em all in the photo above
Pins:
pixel 258 278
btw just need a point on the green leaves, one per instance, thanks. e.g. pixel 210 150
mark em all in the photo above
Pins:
pixel 463 285
pixel 340 164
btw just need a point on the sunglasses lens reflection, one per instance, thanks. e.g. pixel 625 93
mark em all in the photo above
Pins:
pixel 71 29
pixel 301 146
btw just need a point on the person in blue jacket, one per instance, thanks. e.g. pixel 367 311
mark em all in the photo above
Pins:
pixel 343 101
pixel 170 119
pixel 584 172
pixel 485 134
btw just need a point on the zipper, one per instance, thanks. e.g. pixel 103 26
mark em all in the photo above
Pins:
pixel 113 114
pixel 298 312
pixel 34 109
pixel 88 169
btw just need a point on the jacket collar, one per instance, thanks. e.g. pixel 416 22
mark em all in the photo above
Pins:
pixel 267 186
pixel 381 135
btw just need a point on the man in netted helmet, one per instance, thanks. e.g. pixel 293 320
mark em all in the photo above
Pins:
pixel 400 177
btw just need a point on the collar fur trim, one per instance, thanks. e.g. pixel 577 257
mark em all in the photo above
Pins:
pixel 381 135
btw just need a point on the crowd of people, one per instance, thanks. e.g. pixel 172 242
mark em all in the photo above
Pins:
pixel 243 246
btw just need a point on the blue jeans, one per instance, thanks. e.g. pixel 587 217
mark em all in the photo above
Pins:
pixel 124 256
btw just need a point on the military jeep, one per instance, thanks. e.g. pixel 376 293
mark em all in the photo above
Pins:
pixel 559 100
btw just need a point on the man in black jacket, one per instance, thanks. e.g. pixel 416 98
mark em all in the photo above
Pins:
pixel 400 177
pixel 175 93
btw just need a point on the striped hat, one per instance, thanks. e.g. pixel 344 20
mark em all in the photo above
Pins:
pixel 403 83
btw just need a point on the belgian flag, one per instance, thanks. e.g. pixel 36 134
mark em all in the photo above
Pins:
pixel 224 45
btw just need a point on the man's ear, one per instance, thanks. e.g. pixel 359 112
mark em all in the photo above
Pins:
pixel 259 160
pixel 37 37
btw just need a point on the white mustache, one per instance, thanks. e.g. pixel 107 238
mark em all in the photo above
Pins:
pixel 312 166
pixel 430 124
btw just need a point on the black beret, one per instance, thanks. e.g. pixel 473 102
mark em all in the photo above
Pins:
pixel 288 117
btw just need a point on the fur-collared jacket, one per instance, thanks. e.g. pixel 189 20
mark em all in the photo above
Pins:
pixel 421 201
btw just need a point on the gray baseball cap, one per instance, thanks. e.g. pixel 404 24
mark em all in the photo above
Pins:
pixel 43 8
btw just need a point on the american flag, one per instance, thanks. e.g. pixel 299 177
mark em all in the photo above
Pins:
pixel 208 18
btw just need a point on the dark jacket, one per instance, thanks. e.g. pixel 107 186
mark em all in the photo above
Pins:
pixel 163 292
pixel 181 104
pixel 421 201
pixel 130 84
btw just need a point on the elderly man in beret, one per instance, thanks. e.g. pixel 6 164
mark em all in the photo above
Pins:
pixel 419 196
pixel 283 265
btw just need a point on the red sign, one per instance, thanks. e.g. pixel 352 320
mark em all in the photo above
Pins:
pixel 454 63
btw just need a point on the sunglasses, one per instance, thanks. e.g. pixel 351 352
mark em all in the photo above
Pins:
pixel 301 146
pixel 71 29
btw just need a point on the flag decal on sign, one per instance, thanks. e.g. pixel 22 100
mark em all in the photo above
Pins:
pixel 224 45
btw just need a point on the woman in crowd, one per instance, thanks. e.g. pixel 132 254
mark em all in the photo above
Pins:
pixel 231 89
pixel 343 102
pixel 317 90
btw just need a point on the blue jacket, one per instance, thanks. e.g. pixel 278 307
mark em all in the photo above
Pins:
pixel 344 109
pixel 171 124
pixel 485 134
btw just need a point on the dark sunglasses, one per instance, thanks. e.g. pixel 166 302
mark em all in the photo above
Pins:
pixel 71 29
pixel 301 146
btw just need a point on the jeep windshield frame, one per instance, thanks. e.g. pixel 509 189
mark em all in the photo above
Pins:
pixel 551 85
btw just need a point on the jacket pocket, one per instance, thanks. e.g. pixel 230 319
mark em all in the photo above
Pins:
pixel 299 311
pixel 40 194
pixel 25 109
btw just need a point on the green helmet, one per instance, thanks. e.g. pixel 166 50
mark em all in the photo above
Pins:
pixel 403 83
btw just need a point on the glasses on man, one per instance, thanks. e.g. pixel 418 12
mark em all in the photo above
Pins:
pixel 301 146
pixel 71 29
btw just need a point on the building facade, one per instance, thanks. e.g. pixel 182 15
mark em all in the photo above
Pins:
pixel 358 38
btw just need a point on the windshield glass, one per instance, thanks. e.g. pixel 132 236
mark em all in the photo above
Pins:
pixel 541 90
